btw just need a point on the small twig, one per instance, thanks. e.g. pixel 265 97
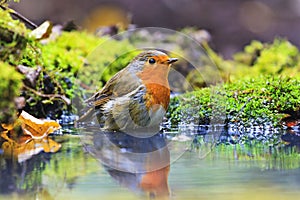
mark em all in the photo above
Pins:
pixel 50 96
pixel 19 16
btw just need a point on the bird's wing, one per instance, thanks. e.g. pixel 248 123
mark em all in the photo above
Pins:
pixel 105 93
pixel 98 99
pixel 127 111
pixel 119 85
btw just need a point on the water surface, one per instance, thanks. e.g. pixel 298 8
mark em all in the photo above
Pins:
pixel 84 169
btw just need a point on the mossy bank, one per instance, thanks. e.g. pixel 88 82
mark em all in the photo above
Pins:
pixel 261 84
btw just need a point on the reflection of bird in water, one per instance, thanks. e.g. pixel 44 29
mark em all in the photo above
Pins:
pixel 154 184
pixel 137 97
pixel 140 164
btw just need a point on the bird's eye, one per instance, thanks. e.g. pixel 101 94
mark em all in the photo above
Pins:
pixel 152 60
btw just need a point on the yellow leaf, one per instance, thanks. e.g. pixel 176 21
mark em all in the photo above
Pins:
pixel 37 128
pixel 33 147
pixel 51 146
pixel 33 140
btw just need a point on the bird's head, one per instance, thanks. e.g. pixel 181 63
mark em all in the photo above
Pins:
pixel 152 64
pixel 154 59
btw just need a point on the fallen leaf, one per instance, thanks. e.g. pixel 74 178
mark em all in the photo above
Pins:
pixel 34 147
pixel 37 128
pixel 33 139
pixel 43 31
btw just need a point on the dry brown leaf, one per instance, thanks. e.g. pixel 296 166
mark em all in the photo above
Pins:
pixel 33 140
pixel 37 128
pixel 33 147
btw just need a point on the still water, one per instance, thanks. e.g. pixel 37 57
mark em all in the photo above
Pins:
pixel 114 166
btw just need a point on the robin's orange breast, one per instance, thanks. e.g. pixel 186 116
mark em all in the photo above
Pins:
pixel 157 95
pixel 157 86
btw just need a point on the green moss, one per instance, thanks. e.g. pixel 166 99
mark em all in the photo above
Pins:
pixel 109 57
pixel 263 98
pixel 61 60
pixel 261 86
pixel 68 51
pixel 260 100
pixel 7 22
pixel 280 57
pixel 90 59
pixel 277 58
pixel 192 107
pixel 13 37
pixel 10 85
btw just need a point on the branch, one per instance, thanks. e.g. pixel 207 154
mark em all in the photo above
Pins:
pixel 50 96
pixel 19 16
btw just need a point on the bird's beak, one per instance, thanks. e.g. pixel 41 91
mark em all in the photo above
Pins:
pixel 172 60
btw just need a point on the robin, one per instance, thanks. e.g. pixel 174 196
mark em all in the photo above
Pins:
pixel 137 97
